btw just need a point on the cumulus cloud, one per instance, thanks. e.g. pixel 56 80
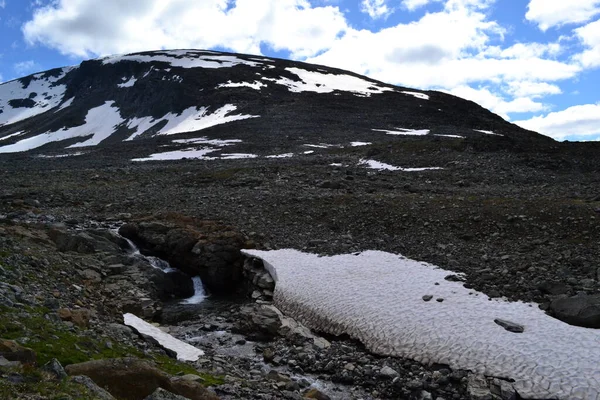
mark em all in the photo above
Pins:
pixel 532 89
pixel 549 13
pixel 412 5
pixel 76 27
pixel 375 8
pixel 590 37
pixel 496 103
pixel 580 121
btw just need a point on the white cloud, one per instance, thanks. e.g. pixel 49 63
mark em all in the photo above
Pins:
pixel 495 103
pixel 412 5
pixel 444 50
pixel 590 37
pixel 77 28
pixel 2 3
pixel 532 89
pixel 375 8
pixel 549 13
pixel 25 67
pixel 579 121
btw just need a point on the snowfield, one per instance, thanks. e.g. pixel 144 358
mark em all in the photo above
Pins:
pixel 40 95
pixel 382 299
pixel 184 351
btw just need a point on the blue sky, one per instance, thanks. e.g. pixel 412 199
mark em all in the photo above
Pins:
pixel 534 62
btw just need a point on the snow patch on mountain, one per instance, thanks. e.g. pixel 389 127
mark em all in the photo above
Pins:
pixel 318 82
pixel 402 131
pixel 189 120
pixel 26 97
pixel 382 299
pixel 128 82
pixel 256 85
pixel 100 123
pixel 184 59
pixel 487 132
pixel 372 164
pixel 421 96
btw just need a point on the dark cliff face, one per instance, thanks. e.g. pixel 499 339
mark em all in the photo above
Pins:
pixel 269 102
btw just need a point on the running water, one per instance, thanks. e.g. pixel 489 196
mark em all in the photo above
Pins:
pixel 159 263
pixel 199 294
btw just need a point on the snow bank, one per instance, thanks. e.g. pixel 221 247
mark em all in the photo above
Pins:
pixel 402 131
pixel 387 167
pixel 184 351
pixel 190 120
pixel 184 59
pixel 43 94
pixel 100 123
pixel 311 81
pixel 378 298
pixel 421 96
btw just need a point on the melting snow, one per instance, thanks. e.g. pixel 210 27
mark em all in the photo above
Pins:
pixel 129 83
pixel 100 123
pixel 357 144
pixel 12 135
pixel 452 136
pixel 189 120
pixel 205 140
pixel 402 131
pixel 286 155
pixel 254 85
pixel 178 155
pixel 184 351
pixel 383 166
pixel 184 59
pixel 326 83
pixel 66 104
pixel 550 359
pixel 308 152
pixel 78 153
pixel 417 95
pixel 235 156
pixel 319 146
pixel 487 132
pixel 42 92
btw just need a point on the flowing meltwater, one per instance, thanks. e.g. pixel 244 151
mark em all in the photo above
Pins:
pixel 159 263
pixel 199 294
pixel 408 309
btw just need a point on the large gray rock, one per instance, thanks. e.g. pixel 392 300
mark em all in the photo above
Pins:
pixel 580 310
pixel 162 394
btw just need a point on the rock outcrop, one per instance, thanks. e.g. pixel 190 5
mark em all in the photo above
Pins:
pixel 205 248
pixel 135 379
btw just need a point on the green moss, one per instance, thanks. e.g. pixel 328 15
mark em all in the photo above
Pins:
pixel 175 367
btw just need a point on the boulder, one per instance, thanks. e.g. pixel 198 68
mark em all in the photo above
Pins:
pixel 581 310
pixel 135 379
pixel 12 351
pixel 54 368
pixel 162 394
pixel 91 386
pixel 205 248
pixel 260 323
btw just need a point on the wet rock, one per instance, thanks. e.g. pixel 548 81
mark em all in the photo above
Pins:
pixel 316 394
pixel 12 351
pixel 478 389
pixel 503 389
pixel 581 310
pixel 427 297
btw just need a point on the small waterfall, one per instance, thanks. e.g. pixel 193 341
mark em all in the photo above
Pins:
pixel 199 294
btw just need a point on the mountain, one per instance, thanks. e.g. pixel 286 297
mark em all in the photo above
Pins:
pixel 144 100
pixel 436 232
